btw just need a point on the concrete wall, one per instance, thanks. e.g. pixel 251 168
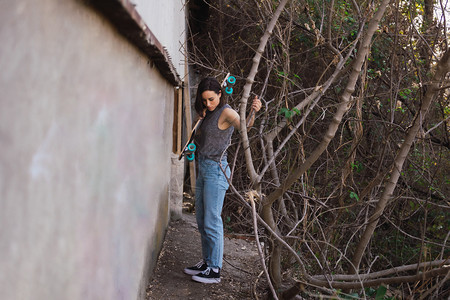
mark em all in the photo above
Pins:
pixel 85 145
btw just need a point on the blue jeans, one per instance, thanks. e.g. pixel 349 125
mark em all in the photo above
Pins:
pixel 210 191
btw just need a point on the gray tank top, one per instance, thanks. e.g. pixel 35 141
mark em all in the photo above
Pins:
pixel 212 141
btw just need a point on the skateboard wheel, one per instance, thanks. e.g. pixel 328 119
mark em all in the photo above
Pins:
pixel 231 80
pixel 191 147
pixel 229 90
pixel 190 157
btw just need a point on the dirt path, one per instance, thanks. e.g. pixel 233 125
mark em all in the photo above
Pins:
pixel 182 248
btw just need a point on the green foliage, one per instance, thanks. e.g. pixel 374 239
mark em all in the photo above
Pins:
pixel 446 111
pixel 357 166
pixel 289 114
pixel 376 294
pixel 405 93
pixel 227 223
pixel 354 195
pixel 381 292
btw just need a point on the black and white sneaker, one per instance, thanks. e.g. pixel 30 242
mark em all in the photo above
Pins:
pixel 197 269
pixel 207 276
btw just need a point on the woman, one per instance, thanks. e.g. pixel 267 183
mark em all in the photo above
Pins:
pixel 212 139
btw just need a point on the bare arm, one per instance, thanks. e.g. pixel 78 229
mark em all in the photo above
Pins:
pixel 231 117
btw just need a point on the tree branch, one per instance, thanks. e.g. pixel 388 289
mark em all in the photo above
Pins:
pixel 248 86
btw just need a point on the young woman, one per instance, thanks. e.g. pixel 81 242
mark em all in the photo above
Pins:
pixel 212 139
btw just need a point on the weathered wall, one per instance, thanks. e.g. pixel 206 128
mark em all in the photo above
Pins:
pixel 85 144
pixel 173 21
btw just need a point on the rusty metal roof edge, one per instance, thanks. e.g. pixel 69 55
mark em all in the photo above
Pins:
pixel 127 20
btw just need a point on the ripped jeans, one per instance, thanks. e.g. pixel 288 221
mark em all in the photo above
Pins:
pixel 210 191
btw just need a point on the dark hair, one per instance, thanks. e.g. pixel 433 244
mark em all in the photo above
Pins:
pixel 208 84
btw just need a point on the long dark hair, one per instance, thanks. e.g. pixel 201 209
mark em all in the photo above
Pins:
pixel 208 84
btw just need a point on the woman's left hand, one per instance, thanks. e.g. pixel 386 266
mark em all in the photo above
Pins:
pixel 256 104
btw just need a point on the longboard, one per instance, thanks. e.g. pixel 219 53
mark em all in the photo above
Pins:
pixel 190 147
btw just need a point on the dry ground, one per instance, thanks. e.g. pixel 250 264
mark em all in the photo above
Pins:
pixel 181 248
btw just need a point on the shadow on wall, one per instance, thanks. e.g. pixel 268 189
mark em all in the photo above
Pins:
pixel 152 252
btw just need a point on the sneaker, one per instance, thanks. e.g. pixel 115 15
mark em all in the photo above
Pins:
pixel 207 276
pixel 197 269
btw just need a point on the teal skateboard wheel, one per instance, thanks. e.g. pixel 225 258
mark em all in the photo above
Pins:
pixel 191 147
pixel 190 157
pixel 231 80
pixel 229 90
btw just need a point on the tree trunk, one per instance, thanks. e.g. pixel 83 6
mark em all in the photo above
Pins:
pixel 268 217
pixel 248 87
pixel 428 13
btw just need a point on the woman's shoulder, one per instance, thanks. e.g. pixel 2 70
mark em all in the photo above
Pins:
pixel 228 111
pixel 228 117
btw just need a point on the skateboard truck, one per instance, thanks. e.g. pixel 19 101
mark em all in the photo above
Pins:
pixel 189 151
pixel 190 146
